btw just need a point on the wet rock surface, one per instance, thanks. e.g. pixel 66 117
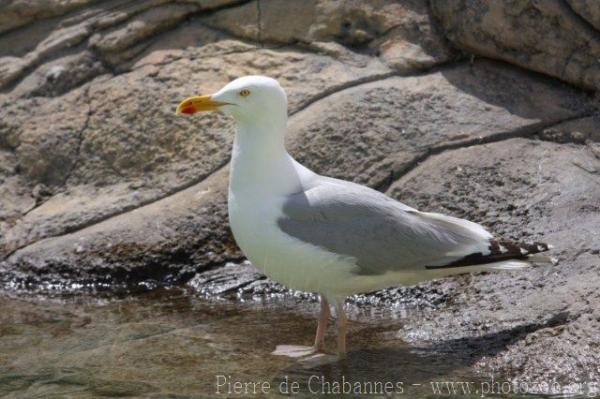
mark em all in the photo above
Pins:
pixel 478 109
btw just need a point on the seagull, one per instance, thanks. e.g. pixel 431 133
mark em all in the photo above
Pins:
pixel 329 236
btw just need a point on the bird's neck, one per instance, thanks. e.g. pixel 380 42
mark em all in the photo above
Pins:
pixel 260 164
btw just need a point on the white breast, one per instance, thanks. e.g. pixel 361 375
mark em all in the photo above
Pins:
pixel 282 258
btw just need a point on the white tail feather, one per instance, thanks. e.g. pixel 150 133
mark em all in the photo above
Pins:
pixel 539 258
pixel 512 264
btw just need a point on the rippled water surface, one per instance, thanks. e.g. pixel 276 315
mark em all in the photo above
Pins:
pixel 170 343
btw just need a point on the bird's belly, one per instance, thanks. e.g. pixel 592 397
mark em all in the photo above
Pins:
pixel 282 258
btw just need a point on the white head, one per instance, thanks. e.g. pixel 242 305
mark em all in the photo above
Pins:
pixel 251 100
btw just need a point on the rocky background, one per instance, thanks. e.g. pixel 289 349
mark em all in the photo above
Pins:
pixel 477 108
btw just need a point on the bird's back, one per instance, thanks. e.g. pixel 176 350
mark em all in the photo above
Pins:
pixel 383 235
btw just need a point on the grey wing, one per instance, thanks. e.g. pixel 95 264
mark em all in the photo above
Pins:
pixel 380 233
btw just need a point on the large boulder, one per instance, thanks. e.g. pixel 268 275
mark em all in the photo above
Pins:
pixel 400 33
pixel 544 36
pixel 374 132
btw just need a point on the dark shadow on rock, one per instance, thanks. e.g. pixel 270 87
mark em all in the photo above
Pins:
pixel 474 348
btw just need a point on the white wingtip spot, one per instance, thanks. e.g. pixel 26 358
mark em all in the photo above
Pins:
pixel 502 249
pixel 524 251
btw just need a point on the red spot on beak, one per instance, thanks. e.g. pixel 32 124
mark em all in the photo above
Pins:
pixel 188 109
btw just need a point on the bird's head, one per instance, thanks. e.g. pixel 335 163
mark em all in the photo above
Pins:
pixel 249 99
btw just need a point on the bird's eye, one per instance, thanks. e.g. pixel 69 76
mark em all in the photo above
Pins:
pixel 245 93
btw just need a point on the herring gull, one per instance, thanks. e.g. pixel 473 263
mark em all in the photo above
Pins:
pixel 325 235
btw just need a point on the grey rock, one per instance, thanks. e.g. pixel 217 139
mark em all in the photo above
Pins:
pixel 544 36
pixel 18 12
pixel 527 190
pixel 15 198
pixel 117 145
pixel 113 42
pixel 400 33
pixel 115 31
pixel 374 132
pixel 584 130
pixel 588 10
pixel 60 76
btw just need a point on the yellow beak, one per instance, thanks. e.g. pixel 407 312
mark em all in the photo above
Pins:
pixel 191 105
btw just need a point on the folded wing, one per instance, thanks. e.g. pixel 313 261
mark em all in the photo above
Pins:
pixel 381 234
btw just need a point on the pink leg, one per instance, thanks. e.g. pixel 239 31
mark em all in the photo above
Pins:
pixel 309 354
pixel 322 326
pixel 342 328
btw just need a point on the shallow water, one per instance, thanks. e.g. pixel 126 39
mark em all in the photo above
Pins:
pixel 170 343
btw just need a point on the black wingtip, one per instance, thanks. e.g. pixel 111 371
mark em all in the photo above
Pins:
pixel 500 250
